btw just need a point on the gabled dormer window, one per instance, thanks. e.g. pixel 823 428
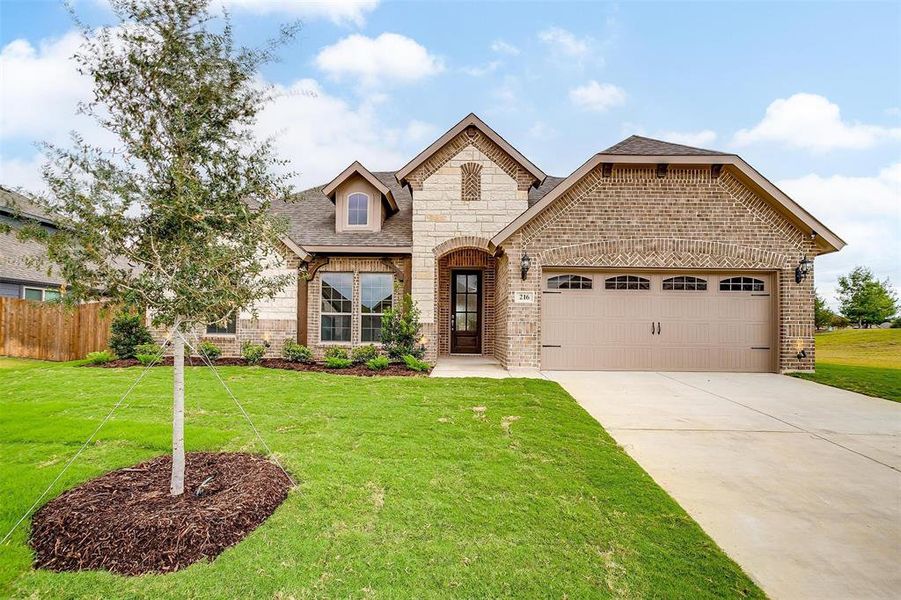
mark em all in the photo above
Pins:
pixel 358 209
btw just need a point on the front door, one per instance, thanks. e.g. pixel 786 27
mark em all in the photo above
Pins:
pixel 466 312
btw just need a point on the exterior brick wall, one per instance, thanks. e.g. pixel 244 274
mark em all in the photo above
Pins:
pixel 477 260
pixel 347 264
pixel 687 219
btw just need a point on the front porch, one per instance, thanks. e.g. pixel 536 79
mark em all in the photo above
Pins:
pixel 456 365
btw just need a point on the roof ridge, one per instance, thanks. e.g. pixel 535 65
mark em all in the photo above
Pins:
pixel 643 145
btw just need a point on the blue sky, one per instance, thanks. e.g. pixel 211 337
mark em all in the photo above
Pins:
pixel 808 93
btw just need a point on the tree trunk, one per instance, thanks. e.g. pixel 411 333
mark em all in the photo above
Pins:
pixel 177 485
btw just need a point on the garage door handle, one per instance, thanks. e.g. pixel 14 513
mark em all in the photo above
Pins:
pixel 658 327
pixel 652 327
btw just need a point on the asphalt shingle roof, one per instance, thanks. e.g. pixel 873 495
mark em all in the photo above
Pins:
pixel 22 260
pixel 636 144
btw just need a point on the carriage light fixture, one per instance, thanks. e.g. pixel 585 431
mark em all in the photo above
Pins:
pixel 525 263
pixel 803 269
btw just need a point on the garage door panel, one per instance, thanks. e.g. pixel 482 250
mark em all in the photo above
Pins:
pixel 699 329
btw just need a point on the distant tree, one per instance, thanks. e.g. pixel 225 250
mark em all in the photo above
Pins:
pixel 839 322
pixel 175 219
pixel 822 314
pixel 865 300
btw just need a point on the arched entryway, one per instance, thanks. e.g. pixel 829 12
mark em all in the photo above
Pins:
pixel 465 293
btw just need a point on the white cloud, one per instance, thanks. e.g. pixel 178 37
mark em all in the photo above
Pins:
pixel 15 172
pixel 542 130
pixel 565 43
pixel 336 11
pixel 482 70
pixel 688 138
pixel 864 211
pixel 40 88
pixel 390 57
pixel 814 123
pixel 597 96
pixel 502 47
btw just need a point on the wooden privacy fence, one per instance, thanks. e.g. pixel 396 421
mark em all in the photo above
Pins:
pixel 31 329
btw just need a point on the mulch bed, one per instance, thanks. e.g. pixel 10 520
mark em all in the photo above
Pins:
pixel 127 522
pixel 397 370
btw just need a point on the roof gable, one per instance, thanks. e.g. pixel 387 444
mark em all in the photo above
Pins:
pixel 356 168
pixel 471 120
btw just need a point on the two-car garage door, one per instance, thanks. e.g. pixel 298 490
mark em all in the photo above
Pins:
pixel 657 321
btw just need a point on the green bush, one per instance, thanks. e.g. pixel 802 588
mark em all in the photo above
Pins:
pixel 333 362
pixel 210 350
pixel 362 354
pixel 99 358
pixel 253 353
pixel 336 352
pixel 148 353
pixel 414 364
pixel 127 331
pixel 378 363
pixel 401 330
pixel 896 323
pixel 294 352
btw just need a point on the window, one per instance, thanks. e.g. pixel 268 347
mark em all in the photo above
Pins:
pixel 569 282
pixel 358 209
pixel 337 302
pixel 376 291
pixel 685 284
pixel 471 181
pixel 627 282
pixel 741 284
pixel 226 327
pixel 40 294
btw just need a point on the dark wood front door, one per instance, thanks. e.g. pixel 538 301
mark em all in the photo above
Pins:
pixel 466 312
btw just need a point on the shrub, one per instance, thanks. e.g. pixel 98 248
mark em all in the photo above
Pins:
pixel 294 352
pixel 401 330
pixel 378 363
pixel 362 354
pixel 127 331
pixel 896 323
pixel 253 353
pixel 336 352
pixel 99 358
pixel 333 362
pixel 414 364
pixel 148 353
pixel 210 350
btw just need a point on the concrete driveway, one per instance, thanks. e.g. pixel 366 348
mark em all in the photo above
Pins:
pixel 798 482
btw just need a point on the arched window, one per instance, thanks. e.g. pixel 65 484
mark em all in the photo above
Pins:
pixel 471 183
pixel 358 209
pixel 627 282
pixel 741 284
pixel 685 283
pixel 568 282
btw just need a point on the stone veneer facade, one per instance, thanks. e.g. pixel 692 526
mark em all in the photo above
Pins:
pixel 635 219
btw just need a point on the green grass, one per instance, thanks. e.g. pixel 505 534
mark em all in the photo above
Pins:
pixel 404 490
pixel 861 360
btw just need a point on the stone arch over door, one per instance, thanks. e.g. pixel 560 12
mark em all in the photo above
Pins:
pixel 464 253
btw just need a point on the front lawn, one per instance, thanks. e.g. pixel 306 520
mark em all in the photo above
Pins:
pixel 406 490
pixel 861 360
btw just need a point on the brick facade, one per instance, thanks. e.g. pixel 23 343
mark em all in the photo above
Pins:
pixel 687 219
pixel 470 259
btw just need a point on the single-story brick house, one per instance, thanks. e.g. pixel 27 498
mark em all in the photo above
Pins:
pixel 650 256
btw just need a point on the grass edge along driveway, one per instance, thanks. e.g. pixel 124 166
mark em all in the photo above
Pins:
pixel 407 488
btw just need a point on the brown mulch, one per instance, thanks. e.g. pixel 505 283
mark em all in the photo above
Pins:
pixel 396 370
pixel 127 522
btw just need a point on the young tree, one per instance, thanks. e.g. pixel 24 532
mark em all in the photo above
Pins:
pixel 822 314
pixel 174 220
pixel 864 299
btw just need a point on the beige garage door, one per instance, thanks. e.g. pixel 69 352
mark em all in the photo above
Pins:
pixel 665 322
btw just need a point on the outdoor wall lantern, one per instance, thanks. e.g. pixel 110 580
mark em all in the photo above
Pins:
pixel 802 354
pixel 803 269
pixel 525 263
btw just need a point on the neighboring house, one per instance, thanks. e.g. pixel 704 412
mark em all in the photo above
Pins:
pixel 23 266
pixel 651 256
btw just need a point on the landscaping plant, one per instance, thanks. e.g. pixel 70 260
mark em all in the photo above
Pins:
pixel 336 362
pixel 294 352
pixel 401 331
pixel 414 364
pixel 148 353
pixel 99 358
pixel 210 350
pixel 362 354
pixel 336 352
pixel 253 353
pixel 127 332
pixel 379 363
pixel 174 219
